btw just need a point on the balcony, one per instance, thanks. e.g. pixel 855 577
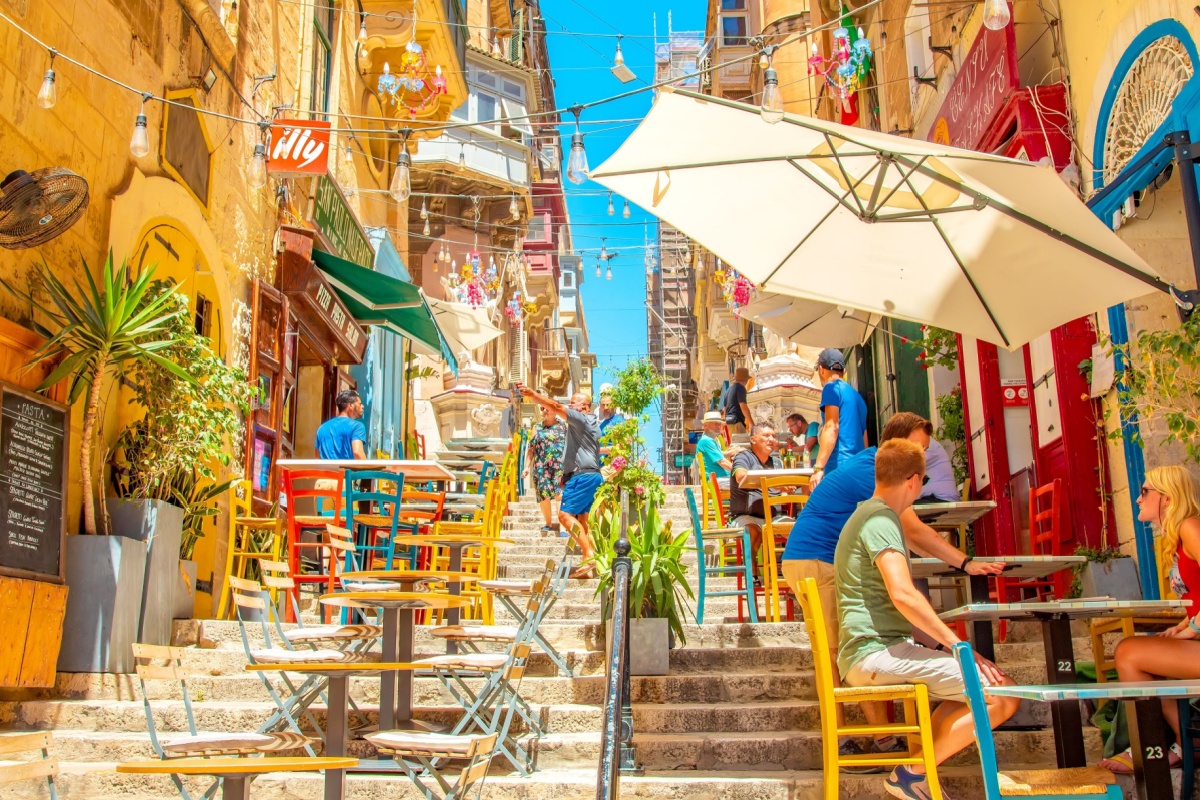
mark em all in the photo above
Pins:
pixel 440 35
pixel 554 344
pixel 488 156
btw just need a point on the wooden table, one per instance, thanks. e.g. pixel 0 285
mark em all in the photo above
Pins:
pixel 1147 730
pixel 237 773
pixel 1055 619
pixel 455 543
pixel 414 471
pixel 753 477
pixel 395 686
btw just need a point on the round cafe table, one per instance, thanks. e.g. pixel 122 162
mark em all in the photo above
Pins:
pixel 237 773
pixel 395 687
pixel 455 543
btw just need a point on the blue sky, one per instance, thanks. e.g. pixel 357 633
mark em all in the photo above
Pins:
pixel 616 312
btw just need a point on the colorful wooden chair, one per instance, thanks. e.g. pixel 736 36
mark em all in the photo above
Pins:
pixel 251 539
pixel 740 539
pixel 327 490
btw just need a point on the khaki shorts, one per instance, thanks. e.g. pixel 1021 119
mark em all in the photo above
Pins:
pixel 906 662
pixel 794 572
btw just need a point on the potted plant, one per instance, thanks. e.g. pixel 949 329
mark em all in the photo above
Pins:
pixel 1107 573
pixel 657 587
pixel 94 333
pixel 627 468
pixel 164 471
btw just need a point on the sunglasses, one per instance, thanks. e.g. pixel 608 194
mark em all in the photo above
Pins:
pixel 1146 490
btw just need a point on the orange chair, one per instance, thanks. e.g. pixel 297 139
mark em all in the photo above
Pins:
pixel 416 521
pixel 327 490
pixel 1046 538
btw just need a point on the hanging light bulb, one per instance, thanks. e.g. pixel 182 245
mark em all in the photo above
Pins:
pixel 425 230
pixel 577 164
pixel 618 57
pixel 611 210
pixel 257 177
pixel 349 156
pixel 996 15
pixel 362 30
pixel 608 273
pixel 513 210
pixel 462 157
pixel 48 94
pixel 603 251
pixel 139 143
pixel 771 109
pixel 625 211
pixel 454 265
pixel 424 210
pixel 763 61
pixel 598 269
pixel 401 186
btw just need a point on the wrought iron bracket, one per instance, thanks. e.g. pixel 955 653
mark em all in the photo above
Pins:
pixel 944 50
pixel 926 81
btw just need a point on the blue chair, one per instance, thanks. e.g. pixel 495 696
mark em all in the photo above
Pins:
pixel 718 569
pixel 487 471
pixel 1077 783
pixel 375 525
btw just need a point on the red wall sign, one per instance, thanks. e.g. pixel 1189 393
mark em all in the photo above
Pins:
pixel 987 77
pixel 298 147
pixel 1014 392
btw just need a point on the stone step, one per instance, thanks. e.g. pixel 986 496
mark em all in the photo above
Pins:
pixel 765 751
pixel 232 716
pixel 98 781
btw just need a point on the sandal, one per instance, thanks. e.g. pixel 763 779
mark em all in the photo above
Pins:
pixel 1122 763
pixel 583 573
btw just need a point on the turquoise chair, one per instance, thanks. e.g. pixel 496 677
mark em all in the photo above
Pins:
pixel 1080 783
pixel 718 569
pixel 373 514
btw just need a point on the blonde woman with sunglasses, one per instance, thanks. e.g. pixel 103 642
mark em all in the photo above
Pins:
pixel 1170 500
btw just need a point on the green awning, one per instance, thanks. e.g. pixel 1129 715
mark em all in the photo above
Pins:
pixel 377 299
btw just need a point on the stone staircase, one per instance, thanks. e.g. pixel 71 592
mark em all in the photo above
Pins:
pixel 736 718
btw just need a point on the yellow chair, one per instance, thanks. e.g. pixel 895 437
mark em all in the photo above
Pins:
pixel 915 698
pixel 790 494
pixel 250 538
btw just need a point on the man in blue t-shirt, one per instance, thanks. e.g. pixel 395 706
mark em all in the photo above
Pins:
pixel 843 416
pixel 344 437
pixel 814 536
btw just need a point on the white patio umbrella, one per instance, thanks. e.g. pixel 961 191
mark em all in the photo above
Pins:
pixel 986 246
pixel 811 323
pixel 465 327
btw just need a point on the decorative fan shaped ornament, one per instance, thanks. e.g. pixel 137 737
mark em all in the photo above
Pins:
pixel 1144 101
pixel 37 206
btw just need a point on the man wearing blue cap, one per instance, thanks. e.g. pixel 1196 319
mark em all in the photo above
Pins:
pixel 843 416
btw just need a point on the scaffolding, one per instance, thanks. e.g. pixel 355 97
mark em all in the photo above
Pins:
pixel 671 332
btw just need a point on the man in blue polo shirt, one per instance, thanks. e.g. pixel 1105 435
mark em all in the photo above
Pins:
pixel 843 416
pixel 814 537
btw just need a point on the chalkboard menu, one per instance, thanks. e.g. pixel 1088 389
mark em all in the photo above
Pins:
pixel 33 479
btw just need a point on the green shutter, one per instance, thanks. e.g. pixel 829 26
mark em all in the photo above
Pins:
pixel 516 42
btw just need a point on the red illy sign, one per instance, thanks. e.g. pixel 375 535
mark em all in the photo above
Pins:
pixel 298 147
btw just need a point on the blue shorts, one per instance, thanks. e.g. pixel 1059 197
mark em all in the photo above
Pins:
pixel 580 492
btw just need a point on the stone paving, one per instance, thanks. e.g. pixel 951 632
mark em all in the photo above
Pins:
pixel 735 718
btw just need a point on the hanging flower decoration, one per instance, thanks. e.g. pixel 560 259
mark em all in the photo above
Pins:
pixel 513 309
pixel 412 87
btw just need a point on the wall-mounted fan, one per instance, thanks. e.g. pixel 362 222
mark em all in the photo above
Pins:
pixel 37 206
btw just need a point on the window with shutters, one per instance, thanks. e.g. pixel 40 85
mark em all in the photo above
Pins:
pixel 323 18
pixel 516 39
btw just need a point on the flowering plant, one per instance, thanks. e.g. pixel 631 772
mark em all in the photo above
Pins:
pixel 941 348
pixel 635 388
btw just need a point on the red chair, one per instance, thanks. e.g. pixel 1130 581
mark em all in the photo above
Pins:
pixel 328 499
pixel 418 521
pixel 1046 538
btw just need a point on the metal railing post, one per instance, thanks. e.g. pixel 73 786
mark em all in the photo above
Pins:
pixel 617 737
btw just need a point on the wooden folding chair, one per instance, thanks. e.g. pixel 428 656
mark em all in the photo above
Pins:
pixel 328 486
pixel 45 767
pixel 774 539
pixel 251 539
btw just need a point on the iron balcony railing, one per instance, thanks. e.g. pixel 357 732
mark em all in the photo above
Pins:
pixel 617 754
pixel 555 342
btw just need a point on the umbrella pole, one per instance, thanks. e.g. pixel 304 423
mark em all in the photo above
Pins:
pixel 1186 155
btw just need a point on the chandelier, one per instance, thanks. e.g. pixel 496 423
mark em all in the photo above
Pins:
pixel 412 86
pixel 474 284
pixel 846 70
pixel 737 288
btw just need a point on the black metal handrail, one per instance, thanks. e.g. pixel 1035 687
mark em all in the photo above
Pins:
pixel 616 743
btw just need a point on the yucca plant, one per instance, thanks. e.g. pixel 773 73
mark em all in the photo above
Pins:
pixel 657 583
pixel 95 330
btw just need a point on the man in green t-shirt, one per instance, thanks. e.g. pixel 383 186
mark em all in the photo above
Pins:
pixel 878 607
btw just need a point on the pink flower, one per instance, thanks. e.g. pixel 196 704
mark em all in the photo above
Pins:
pixel 639 489
pixel 619 463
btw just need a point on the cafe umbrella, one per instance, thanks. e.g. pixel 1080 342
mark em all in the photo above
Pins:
pixel 990 247
pixel 810 323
